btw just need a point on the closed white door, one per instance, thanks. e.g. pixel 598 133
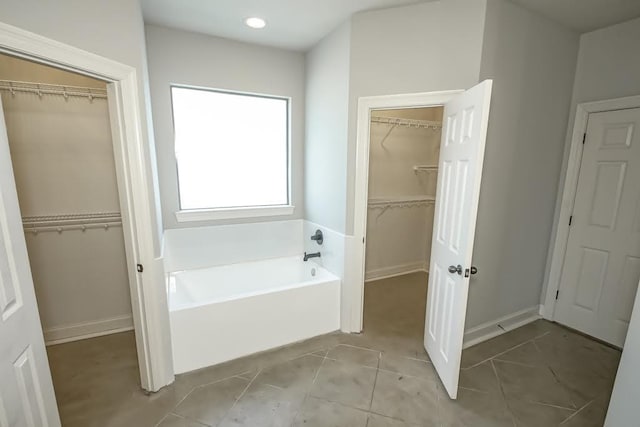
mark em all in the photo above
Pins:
pixel 602 262
pixel 26 392
pixel 460 170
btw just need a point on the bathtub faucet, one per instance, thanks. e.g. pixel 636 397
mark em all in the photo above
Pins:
pixel 313 255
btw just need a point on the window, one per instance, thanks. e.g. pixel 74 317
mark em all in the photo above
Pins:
pixel 232 152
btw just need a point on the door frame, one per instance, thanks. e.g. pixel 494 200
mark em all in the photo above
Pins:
pixel 568 189
pixel 148 297
pixel 355 295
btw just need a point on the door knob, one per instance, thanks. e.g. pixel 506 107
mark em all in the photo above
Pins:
pixel 454 269
pixel 474 269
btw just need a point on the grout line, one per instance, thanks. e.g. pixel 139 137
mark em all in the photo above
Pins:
pixel 475 390
pixel 240 396
pixel 218 381
pixel 502 393
pixel 308 390
pixel 373 389
pixel 512 362
pixel 182 417
pixel 535 344
pixel 508 350
pixel 358 347
pixel 577 411
pixel 550 405
pixel 566 388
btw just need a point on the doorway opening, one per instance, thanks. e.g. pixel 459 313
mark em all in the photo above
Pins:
pixel 403 153
pixel 64 168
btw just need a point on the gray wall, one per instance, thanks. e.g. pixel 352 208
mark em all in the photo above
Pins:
pixel 532 62
pixel 608 67
pixel 187 58
pixel 327 115
pixel 411 49
pixel 118 34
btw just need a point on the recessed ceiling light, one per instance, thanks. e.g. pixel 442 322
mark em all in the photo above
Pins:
pixel 255 22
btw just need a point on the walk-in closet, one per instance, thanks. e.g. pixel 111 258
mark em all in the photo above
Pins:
pixel 404 148
pixel 63 163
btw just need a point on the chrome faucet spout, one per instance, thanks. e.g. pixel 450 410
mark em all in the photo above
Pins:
pixel 312 255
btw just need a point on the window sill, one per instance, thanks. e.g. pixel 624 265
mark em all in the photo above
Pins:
pixel 233 213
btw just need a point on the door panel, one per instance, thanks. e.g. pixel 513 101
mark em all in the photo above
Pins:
pixel 602 263
pixel 459 173
pixel 26 390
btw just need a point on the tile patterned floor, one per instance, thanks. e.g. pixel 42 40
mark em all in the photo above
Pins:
pixel 538 375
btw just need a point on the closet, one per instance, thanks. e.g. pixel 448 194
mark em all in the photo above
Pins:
pixel 62 154
pixel 403 170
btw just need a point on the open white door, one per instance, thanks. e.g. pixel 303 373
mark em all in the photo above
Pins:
pixel 459 173
pixel 26 391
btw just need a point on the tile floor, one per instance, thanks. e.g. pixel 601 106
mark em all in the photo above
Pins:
pixel 538 375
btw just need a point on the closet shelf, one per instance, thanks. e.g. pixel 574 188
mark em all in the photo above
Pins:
pixel 425 168
pixel 411 123
pixel 41 89
pixel 379 203
pixel 80 221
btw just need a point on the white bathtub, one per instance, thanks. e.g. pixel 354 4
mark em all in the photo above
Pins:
pixel 225 312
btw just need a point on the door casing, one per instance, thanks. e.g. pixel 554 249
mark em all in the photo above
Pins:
pixel 566 197
pixel 148 299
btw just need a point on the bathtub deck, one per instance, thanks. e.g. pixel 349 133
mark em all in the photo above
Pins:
pixel 380 378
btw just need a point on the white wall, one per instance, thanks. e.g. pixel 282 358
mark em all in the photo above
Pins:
pixel 327 109
pixel 623 407
pixel 608 67
pixel 531 61
pixel 180 57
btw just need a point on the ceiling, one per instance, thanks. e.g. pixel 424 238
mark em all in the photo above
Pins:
pixel 585 15
pixel 300 24
pixel 291 24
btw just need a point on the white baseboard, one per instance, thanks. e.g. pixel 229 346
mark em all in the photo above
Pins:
pixel 499 326
pixel 81 331
pixel 393 271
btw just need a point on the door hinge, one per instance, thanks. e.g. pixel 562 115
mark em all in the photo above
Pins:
pixel 570 220
pixel 557 293
pixel 363 240
pixel 584 138
pixel 140 268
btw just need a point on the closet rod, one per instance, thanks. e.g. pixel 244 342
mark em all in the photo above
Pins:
pixel 396 121
pixel 41 89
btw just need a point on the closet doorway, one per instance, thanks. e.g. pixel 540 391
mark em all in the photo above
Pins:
pixel 61 149
pixel 403 170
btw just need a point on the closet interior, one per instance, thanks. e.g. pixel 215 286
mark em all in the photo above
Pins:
pixel 63 163
pixel 403 170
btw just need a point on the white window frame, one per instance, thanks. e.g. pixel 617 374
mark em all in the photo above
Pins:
pixel 239 212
